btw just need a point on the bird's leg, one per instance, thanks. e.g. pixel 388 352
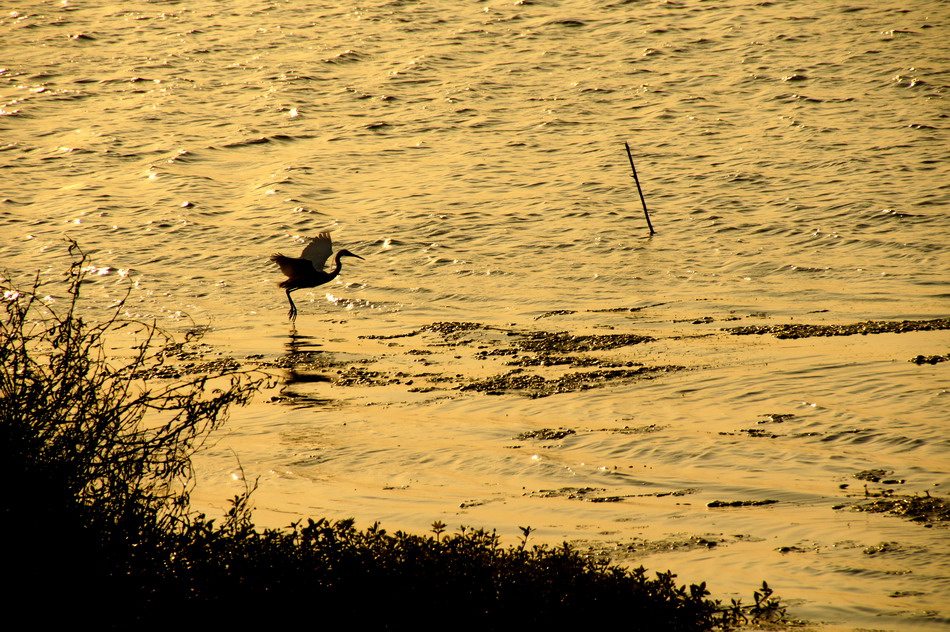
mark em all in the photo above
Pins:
pixel 292 314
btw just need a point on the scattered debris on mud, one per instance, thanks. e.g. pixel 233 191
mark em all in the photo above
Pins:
pixel 535 357
pixel 625 309
pixel 634 430
pixel 599 495
pixel 568 312
pixel 752 432
pixel 564 342
pixel 878 475
pixel 572 361
pixel 777 418
pixel 869 327
pixel 883 547
pixel 572 493
pixel 740 503
pixel 545 434
pixel 794 548
pixel 446 328
pixel 543 349
pixel 639 547
pixel 536 386
pixel 198 367
pixel 931 359
pixel 189 357
pixel 302 360
pixel 762 433
pixel 927 510
pixel 359 376
pixel 555 312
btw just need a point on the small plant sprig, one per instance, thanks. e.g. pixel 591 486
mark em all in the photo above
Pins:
pixel 766 609
pixel 525 531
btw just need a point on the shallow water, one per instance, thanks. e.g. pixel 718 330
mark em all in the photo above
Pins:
pixel 794 159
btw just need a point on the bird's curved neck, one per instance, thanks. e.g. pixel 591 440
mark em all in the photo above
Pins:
pixel 337 265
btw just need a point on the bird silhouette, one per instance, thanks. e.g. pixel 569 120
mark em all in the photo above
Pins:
pixel 307 270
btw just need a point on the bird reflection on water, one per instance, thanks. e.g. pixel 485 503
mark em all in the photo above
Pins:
pixel 307 270
pixel 305 363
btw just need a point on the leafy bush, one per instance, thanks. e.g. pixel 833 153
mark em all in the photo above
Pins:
pixel 95 450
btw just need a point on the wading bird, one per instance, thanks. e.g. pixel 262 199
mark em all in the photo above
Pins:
pixel 307 271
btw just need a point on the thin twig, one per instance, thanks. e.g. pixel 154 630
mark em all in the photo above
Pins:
pixel 646 213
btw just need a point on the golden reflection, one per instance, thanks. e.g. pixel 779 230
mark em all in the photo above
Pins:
pixel 304 359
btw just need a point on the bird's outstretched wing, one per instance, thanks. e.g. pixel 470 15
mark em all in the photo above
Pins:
pixel 318 250
pixel 292 268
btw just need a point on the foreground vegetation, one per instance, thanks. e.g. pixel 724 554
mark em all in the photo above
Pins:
pixel 96 526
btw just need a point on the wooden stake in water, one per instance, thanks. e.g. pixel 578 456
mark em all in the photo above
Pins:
pixel 646 213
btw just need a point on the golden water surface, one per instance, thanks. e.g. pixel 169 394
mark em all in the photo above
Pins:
pixel 793 156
